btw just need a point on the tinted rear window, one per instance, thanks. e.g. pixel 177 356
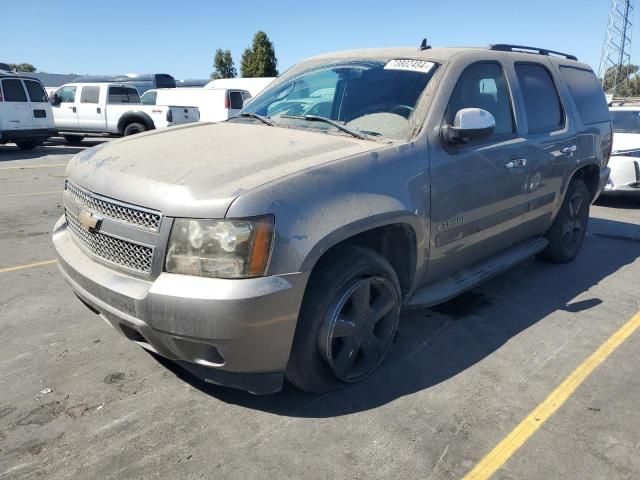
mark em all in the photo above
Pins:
pixel 36 92
pixel 13 91
pixel 541 99
pixel 235 100
pixel 89 94
pixel 123 95
pixel 587 93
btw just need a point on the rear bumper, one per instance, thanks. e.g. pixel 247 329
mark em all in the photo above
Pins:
pixel 236 333
pixel 625 176
pixel 604 178
pixel 27 134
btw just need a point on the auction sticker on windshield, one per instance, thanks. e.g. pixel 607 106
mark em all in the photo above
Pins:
pixel 409 65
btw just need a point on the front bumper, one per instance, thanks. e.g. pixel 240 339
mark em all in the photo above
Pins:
pixel 236 333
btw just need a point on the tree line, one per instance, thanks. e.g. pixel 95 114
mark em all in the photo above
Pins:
pixel 259 60
pixel 622 81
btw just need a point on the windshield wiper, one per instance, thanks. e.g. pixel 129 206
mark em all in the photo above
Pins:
pixel 265 120
pixel 338 125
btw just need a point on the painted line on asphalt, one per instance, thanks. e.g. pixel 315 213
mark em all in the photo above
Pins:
pixel 24 167
pixel 29 265
pixel 30 194
pixel 497 457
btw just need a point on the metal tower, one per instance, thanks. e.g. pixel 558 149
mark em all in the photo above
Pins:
pixel 616 51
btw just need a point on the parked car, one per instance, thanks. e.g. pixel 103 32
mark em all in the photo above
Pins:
pixel 625 161
pixel 215 105
pixel 26 118
pixel 259 248
pixel 252 85
pixel 142 81
pixel 90 109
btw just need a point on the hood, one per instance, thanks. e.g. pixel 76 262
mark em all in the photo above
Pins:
pixel 626 141
pixel 198 170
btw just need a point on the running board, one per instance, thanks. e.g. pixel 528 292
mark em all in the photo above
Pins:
pixel 460 282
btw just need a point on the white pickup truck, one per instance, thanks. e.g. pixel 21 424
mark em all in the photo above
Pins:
pixel 110 109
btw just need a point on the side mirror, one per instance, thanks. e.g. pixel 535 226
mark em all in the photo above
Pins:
pixel 470 125
pixel 56 100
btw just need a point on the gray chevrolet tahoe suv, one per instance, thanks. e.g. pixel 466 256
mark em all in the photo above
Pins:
pixel 283 243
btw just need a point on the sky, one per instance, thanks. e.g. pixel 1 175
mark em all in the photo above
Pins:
pixel 180 37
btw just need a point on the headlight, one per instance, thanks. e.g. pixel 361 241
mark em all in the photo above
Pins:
pixel 220 248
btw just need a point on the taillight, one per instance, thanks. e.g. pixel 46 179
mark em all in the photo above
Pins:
pixel 169 116
pixel 226 101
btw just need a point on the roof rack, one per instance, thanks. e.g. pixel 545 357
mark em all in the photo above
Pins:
pixel 505 47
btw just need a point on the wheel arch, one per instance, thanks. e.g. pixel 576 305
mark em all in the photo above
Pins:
pixel 135 116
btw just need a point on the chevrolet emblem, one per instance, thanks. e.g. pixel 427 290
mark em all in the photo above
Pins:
pixel 89 221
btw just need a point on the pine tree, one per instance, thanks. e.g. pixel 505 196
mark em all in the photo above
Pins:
pixel 259 60
pixel 223 65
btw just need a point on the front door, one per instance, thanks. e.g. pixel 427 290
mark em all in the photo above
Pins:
pixel 65 113
pixel 91 116
pixel 478 193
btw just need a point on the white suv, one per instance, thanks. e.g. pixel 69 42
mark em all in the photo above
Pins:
pixel 26 118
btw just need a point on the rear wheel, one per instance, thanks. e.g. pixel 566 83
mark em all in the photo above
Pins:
pixel 28 144
pixel 74 139
pixel 570 226
pixel 347 322
pixel 134 128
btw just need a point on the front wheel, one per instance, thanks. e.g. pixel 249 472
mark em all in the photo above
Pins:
pixel 570 225
pixel 348 320
pixel 134 128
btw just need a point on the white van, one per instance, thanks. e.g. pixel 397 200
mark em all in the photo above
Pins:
pixel 252 85
pixel 26 118
pixel 215 105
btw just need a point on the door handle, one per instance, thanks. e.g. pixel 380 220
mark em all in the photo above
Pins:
pixel 516 162
pixel 569 149
pixel 98 110
pixel 73 109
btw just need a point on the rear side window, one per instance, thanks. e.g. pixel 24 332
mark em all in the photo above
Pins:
pixel 123 95
pixel 235 100
pixel 541 99
pixel 149 98
pixel 13 91
pixel 67 94
pixel 36 92
pixel 483 85
pixel 89 94
pixel 587 94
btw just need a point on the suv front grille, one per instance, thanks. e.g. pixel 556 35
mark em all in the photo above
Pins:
pixel 109 208
pixel 121 253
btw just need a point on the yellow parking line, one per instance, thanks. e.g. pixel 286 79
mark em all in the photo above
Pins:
pixel 29 194
pixel 497 457
pixel 29 265
pixel 35 166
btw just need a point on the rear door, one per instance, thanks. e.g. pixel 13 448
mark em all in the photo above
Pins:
pixel 552 144
pixel 16 112
pixel 477 189
pixel 40 106
pixel 66 112
pixel 91 115
pixel 236 100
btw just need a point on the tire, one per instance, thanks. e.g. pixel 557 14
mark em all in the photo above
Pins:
pixel 27 145
pixel 567 232
pixel 134 128
pixel 73 139
pixel 328 353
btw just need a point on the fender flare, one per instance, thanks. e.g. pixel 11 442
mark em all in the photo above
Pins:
pixel 137 116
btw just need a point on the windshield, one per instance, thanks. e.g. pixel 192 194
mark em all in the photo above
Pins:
pixel 625 121
pixel 377 98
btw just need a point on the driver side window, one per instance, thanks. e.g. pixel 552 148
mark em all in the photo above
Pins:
pixel 483 85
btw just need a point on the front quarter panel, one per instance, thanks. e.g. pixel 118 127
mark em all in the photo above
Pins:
pixel 319 207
